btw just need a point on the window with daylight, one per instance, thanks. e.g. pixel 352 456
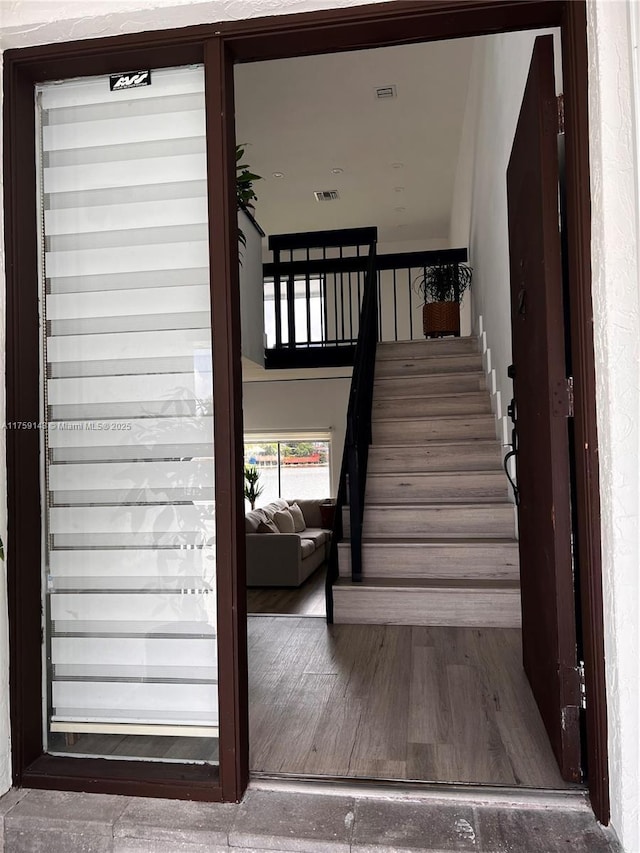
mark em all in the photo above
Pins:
pixel 297 467
pixel 127 446
pixel 309 312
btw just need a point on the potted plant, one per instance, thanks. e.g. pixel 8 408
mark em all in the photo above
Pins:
pixel 252 487
pixel 245 194
pixel 441 288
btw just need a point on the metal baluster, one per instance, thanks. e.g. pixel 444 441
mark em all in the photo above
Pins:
pixel 395 307
pixel 379 323
pixel 335 305
pixel 359 275
pixel 308 297
pixel 324 308
pixel 410 306
pixel 277 297
pixel 291 308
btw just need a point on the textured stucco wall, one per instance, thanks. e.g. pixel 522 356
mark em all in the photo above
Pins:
pixel 616 303
pixel 28 22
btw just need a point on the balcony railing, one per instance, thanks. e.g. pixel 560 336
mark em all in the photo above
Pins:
pixel 314 292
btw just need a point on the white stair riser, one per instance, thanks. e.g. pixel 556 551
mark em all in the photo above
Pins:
pixel 445 607
pixel 463 487
pixel 414 386
pixel 499 561
pixel 416 407
pixel 479 521
pixel 431 429
pixel 427 348
pixel 428 366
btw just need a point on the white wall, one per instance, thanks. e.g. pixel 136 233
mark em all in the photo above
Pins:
pixel 614 142
pixel 499 71
pixel 251 291
pixel 300 404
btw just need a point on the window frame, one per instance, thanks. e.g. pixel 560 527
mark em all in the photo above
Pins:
pixel 31 765
pixel 295 436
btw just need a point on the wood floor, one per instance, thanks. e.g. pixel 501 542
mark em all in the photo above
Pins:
pixel 305 600
pixel 421 703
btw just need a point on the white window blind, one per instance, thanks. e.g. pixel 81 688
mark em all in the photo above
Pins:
pixel 127 404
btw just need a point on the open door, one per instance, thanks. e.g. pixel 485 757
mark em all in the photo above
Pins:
pixel 541 395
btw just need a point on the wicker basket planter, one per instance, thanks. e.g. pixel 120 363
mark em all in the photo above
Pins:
pixel 441 318
pixel 441 288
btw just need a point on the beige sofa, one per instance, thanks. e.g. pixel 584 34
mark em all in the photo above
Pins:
pixel 285 559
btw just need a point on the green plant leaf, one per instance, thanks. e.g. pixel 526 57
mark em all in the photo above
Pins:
pixel 443 282
pixel 245 193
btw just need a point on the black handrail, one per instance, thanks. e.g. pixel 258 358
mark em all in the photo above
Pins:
pixel 353 473
pixel 358 436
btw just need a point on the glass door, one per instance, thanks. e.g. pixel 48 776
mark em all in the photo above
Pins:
pixel 127 447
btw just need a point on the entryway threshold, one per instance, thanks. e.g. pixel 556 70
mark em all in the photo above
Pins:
pixel 572 799
pixel 567 799
pixel 333 819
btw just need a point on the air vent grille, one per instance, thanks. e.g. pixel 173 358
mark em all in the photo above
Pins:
pixel 384 92
pixel 326 195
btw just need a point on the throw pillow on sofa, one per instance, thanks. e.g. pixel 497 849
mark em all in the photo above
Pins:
pixel 284 521
pixel 299 524
pixel 267 526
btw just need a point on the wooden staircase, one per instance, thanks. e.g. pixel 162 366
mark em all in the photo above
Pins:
pixel 438 541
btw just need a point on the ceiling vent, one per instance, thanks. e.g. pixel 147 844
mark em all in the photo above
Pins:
pixel 385 92
pixel 326 195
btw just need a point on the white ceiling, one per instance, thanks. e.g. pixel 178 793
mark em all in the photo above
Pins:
pixel 309 115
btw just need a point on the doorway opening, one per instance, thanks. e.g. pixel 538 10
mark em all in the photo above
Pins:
pixel 400 688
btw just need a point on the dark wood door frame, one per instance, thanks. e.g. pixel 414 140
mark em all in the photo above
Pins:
pixel 219 45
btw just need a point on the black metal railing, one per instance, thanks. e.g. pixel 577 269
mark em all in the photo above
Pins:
pixel 355 457
pixel 399 302
pixel 313 294
pixel 314 290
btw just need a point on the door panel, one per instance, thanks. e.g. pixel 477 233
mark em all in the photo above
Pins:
pixel 537 318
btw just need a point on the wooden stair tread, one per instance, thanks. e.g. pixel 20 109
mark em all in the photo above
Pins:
pixel 448 339
pixel 479 584
pixel 447 352
pixel 437 396
pixel 440 442
pixel 427 542
pixel 447 505
pixel 455 416
pixel 479 500
pixel 392 475
pixel 452 375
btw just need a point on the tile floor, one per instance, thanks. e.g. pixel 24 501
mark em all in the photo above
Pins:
pixel 343 822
